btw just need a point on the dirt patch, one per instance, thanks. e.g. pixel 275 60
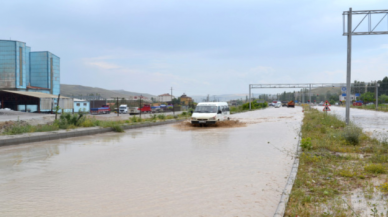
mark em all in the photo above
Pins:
pixel 285 117
pixel 222 124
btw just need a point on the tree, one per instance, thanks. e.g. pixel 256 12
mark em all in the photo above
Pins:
pixel 368 97
pixel 383 99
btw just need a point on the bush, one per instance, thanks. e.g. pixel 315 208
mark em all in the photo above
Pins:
pixel 375 168
pixel 133 119
pixel 117 128
pixel 306 143
pixel 161 117
pixel 352 135
pixel 68 120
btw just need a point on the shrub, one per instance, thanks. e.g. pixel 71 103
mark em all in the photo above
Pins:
pixel 306 143
pixel 117 128
pixel 352 135
pixel 384 187
pixel 184 113
pixel 161 117
pixel 133 119
pixel 375 168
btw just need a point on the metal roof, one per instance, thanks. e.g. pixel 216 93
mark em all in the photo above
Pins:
pixel 35 94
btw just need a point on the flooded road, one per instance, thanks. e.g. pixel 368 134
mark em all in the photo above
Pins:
pixel 156 171
pixel 374 122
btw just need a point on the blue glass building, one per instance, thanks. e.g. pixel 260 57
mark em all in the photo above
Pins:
pixel 23 70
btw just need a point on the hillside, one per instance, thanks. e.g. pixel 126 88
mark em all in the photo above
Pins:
pixel 77 90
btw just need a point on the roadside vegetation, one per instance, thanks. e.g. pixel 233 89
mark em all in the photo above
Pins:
pixel 245 107
pixel 72 121
pixel 380 107
pixel 340 170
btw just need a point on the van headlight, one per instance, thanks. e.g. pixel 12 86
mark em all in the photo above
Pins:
pixel 193 119
pixel 212 119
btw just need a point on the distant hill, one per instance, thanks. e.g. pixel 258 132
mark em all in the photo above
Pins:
pixel 77 90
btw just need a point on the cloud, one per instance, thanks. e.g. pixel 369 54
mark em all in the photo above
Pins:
pixel 103 65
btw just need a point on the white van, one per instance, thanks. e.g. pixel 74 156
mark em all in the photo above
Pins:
pixel 210 113
pixel 123 109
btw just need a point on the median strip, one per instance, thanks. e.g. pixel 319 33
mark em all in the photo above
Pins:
pixel 342 171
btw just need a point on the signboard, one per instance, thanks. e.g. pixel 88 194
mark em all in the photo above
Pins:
pixel 343 89
pixel 326 109
pixel 344 94
pixel 357 94
pixel 326 106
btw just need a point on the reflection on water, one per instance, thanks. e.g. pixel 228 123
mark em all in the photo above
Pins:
pixel 157 171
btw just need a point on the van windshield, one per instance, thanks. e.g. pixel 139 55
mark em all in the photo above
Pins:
pixel 206 109
pixel 123 107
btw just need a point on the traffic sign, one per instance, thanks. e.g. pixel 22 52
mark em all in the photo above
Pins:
pixel 343 89
pixel 326 109
pixel 327 103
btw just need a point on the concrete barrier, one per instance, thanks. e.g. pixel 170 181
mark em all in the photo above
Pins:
pixel 62 134
pixel 282 205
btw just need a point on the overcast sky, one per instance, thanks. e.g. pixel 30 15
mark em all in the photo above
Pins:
pixel 197 46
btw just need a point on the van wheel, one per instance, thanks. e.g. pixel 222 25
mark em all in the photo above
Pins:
pixel 228 118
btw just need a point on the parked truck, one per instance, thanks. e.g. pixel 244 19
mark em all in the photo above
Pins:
pixel 146 109
pixel 104 109
pixel 123 109
pixel 134 110
pixel 291 104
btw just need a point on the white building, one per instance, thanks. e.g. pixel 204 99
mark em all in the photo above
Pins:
pixel 165 98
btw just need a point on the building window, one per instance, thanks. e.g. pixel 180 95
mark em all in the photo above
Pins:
pixel 78 104
pixel 20 66
pixel 85 104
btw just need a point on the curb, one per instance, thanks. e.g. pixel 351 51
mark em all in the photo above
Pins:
pixel 281 208
pixel 52 135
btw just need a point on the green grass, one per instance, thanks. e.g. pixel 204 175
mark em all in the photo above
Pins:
pixel 69 121
pixel 330 166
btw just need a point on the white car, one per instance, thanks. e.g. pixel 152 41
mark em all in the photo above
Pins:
pixel 210 113
pixel 278 105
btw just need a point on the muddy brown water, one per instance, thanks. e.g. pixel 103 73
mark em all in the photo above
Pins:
pixel 156 171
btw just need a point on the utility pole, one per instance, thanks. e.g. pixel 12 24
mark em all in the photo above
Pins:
pixel 172 102
pixel 118 109
pixel 348 65
pixel 250 97
pixel 140 104
pixel 377 95
pixel 56 109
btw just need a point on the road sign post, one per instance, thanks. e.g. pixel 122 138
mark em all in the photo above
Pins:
pixel 349 33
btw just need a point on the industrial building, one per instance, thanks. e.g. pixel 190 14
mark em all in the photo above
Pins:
pixel 23 70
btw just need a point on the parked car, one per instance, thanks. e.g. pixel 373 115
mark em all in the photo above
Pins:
pixel 278 105
pixel 370 103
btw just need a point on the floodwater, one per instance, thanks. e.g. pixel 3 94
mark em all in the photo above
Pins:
pixel 374 122
pixel 156 171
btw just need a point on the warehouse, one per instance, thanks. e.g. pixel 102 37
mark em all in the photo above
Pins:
pixel 32 101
